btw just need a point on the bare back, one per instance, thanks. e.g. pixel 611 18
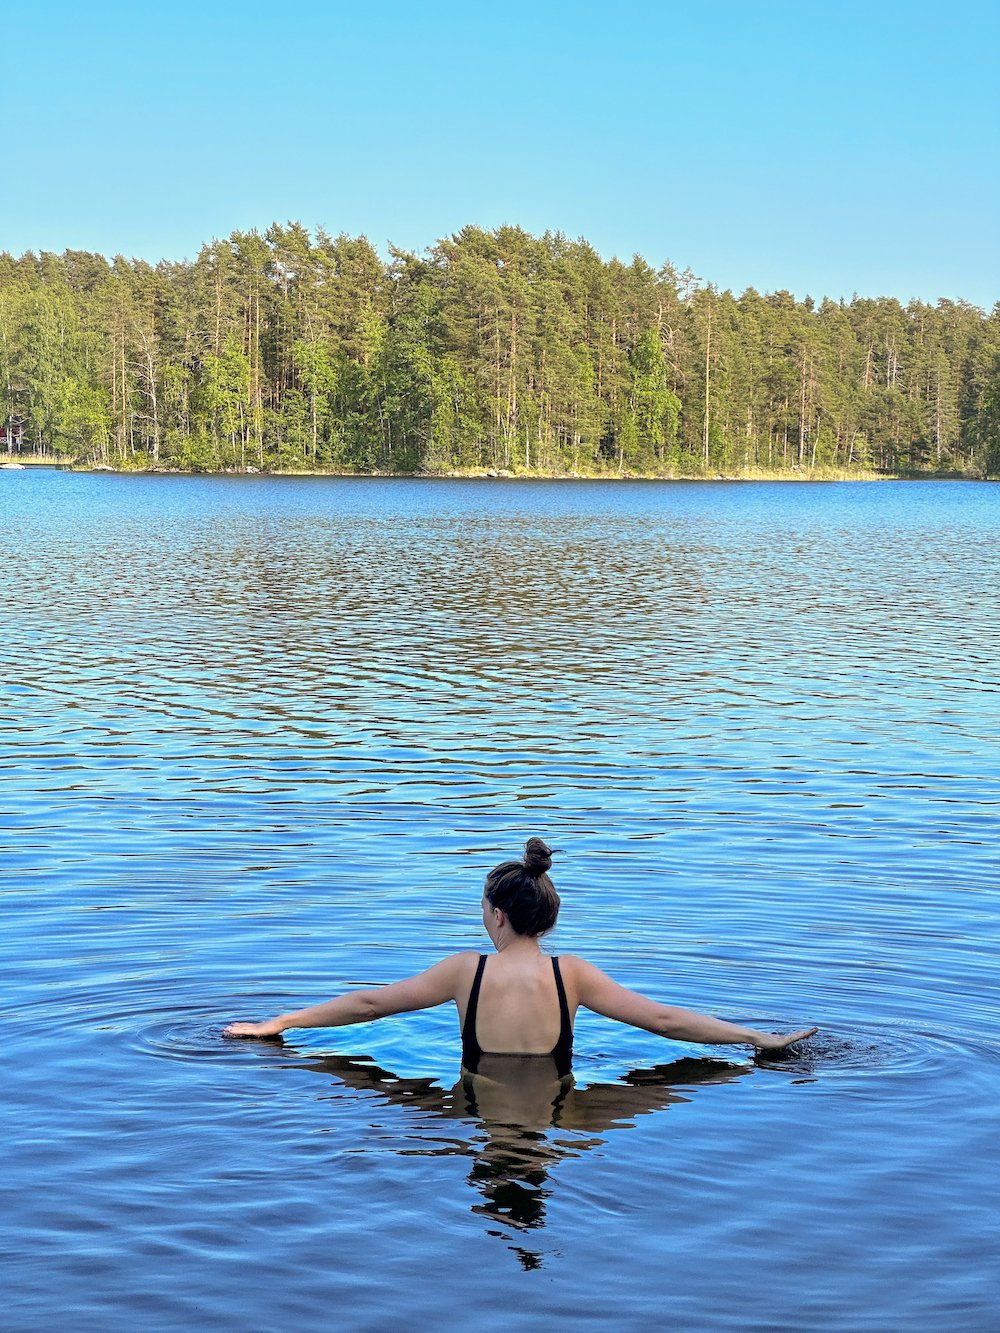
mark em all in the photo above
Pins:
pixel 518 1010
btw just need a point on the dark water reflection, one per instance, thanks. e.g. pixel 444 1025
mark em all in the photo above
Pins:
pixel 511 1104
pixel 262 738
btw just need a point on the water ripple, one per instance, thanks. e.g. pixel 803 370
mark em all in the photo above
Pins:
pixel 263 737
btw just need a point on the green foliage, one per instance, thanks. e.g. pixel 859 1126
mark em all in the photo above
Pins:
pixel 989 429
pixel 495 348
pixel 222 402
pixel 653 408
pixel 82 420
pixel 198 453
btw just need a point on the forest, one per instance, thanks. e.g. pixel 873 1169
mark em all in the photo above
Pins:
pixel 293 350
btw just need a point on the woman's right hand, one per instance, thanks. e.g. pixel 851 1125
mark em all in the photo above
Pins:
pixel 272 1027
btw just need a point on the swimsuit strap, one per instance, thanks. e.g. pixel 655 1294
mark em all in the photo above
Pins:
pixel 471 1049
pixel 562 1051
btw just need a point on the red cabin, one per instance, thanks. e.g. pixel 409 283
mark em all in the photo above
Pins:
pixel 12 433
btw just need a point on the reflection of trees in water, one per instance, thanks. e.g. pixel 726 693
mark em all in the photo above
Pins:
pixel 511 1106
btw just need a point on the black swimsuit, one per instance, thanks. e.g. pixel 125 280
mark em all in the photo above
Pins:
pixel 562 1051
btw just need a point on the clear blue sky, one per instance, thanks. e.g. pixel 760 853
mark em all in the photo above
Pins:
pixel 823 147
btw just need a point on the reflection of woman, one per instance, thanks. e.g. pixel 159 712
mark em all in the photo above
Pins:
pixel 517 1006
pixel 513 1162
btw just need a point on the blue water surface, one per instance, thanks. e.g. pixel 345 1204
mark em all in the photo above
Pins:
pixel 262 739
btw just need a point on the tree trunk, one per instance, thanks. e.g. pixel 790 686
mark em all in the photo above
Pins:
pixel 708 352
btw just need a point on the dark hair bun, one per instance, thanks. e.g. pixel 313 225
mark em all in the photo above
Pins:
pixel 537 857
pixel 524 891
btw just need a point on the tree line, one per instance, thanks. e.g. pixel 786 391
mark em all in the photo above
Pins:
pixel 496 349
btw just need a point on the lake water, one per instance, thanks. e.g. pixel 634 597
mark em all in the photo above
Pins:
pixel 264 736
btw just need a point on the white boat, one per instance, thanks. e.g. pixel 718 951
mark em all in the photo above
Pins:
pixel 12 467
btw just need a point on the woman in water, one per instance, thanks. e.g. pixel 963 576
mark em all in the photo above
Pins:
pixel 518 1004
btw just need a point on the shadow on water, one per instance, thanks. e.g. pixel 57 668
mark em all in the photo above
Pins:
pixel 512 1104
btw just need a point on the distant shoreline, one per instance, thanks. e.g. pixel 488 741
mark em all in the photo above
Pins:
pixel 826 474
pixel 299 352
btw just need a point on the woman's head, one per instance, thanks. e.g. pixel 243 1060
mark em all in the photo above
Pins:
pixel 523 891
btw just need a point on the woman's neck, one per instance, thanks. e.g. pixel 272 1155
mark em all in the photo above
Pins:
pixel 511 943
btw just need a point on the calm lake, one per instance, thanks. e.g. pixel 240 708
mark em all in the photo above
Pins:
pixel 264 736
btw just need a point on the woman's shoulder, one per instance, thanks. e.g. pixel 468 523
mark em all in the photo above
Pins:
pixel 467 961
pixel 455 965
pixel 461 968
pixel 577 972
pixel 573 963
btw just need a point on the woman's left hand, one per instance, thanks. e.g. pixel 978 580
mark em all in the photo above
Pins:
pixel 777 1041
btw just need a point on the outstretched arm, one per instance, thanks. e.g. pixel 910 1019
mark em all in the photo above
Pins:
pixel 598 992
pixel 435 986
